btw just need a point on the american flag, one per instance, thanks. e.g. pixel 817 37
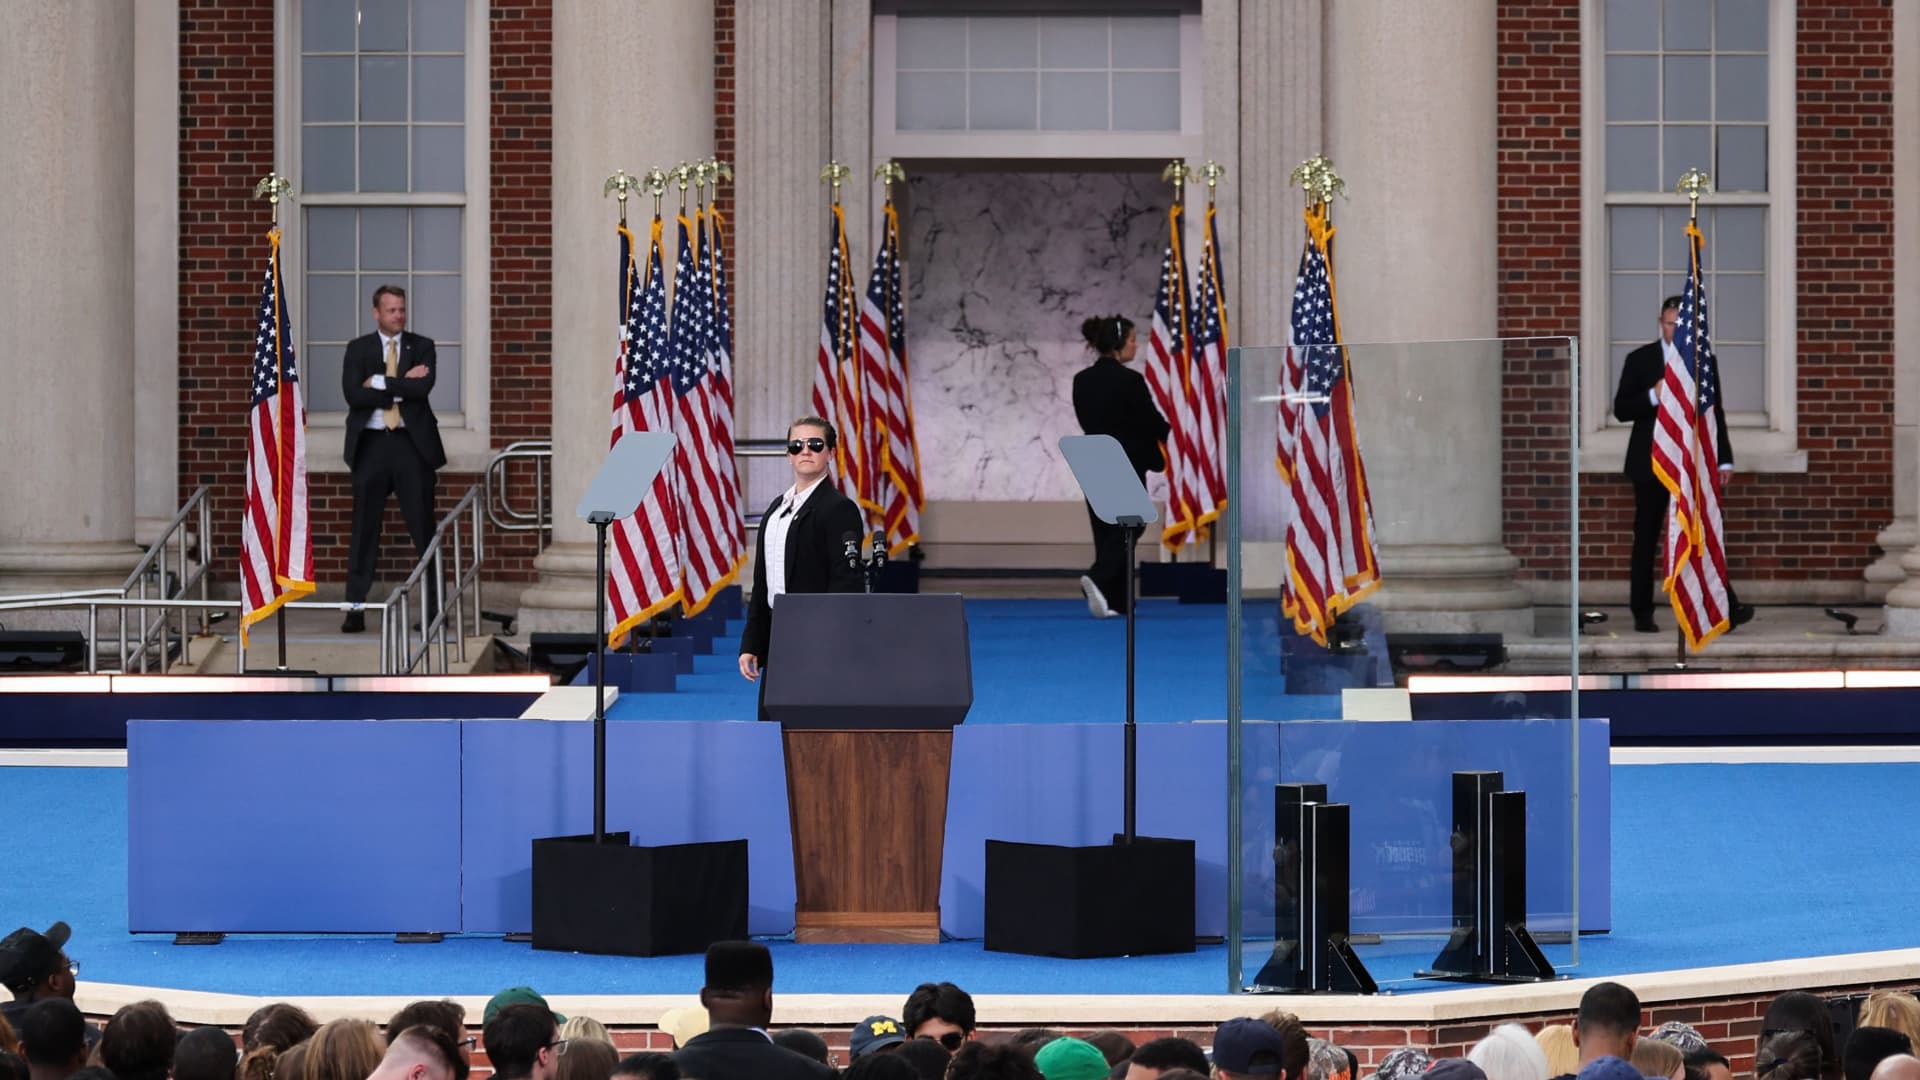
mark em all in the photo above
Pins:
pixel 276 543
pixel 1209 383
pixel 644 575
pixel 1686 458
pixel 707 558
pixel 883 343
pixel 723 372
pixel 1169 364
pixel 836 383
pixel 1332 560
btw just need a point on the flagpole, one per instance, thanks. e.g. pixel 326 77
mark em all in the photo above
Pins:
pixel 1213 171
pixel 1693 183
pixel 273 187
pixel 851 467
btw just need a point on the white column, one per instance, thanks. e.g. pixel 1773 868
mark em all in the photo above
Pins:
pixel 1899 538
pixel 156 258
pixel 780 228
pixel 66 106
pixel 1279 124
pixel 1411 127
pixel 632 88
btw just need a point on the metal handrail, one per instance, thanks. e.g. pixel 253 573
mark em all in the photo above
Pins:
pixel 152 569
pixel 459 540
pixel 460 533
pixel 501 513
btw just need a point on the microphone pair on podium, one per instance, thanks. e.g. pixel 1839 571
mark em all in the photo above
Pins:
pixel 877 548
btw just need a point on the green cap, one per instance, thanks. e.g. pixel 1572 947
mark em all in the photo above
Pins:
pixel 516 995
pixel 1072 1059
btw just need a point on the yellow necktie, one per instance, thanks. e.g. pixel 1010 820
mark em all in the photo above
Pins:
pixel 392 412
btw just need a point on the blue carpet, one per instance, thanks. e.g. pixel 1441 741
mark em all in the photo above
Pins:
pixel 1036 661
pixel 1713 864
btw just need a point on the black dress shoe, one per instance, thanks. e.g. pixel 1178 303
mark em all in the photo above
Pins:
pixel 354 623
pixel 1645 624
pixel 1741 616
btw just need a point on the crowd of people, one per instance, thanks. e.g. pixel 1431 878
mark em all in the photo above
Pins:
pixel 729 1036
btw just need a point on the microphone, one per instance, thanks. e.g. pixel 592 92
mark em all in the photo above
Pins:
pixel 879 556
pixel 851 543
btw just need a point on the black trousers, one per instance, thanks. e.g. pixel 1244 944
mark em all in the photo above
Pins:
pixel 386 463
pixel 1650 500
pixel 1111 561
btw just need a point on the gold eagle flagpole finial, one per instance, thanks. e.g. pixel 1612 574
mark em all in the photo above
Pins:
pixel 835 173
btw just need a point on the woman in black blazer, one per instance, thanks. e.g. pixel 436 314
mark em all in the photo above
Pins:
pixel 1110 398
pixel 809 525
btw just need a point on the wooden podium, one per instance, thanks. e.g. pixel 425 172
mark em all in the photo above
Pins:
pixel 867 689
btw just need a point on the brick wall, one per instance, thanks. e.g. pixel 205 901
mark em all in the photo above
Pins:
pixel 226 144
pixel 1538 126
pixel 1815 525
pixel 521 205
pixel 1731 1023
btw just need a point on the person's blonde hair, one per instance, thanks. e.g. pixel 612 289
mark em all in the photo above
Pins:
pixel 1563 1057
pixel 342 1050
pixel 1894 1009
pixel 1655 1058
pixel 578 1028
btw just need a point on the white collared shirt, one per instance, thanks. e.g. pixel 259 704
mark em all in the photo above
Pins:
pixel 378 421
pixel 775 531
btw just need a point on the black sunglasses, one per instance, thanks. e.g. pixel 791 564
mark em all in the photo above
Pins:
pixel 794 446
pixel 951 1040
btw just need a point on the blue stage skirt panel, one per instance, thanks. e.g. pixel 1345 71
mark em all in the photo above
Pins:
pixel 331 801
pixel 323 825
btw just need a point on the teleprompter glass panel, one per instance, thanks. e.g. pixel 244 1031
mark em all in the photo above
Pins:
pixel 1364 496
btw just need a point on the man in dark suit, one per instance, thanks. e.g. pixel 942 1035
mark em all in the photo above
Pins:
pixel 1637 401
pixel 393 440
pixel 739 1001
pixel 807 530
pixel 1110 398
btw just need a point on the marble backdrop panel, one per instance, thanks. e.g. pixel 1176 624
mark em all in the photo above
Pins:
pixel 1004 266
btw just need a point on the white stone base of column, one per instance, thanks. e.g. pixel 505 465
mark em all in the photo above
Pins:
pixel 562 601
pixel 43 567
pixel 1903 601
pixel 1886 572
pixel 1453 589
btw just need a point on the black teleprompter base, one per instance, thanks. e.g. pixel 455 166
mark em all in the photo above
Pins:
pixel 617 899
pixel 1098 900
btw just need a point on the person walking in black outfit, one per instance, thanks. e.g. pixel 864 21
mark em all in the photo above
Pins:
pixel 1637 401
pixel 1110 398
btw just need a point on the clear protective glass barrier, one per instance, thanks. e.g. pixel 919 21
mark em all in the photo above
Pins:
pixel 1403 620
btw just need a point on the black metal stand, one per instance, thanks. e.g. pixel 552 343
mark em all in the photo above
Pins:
pixel 600 521
pixel 280 622
pixel 1490 942
pixel 1134 527
pixel 1312 875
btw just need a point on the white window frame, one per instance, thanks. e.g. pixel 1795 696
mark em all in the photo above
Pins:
pixel 463 430
pixel 1762 442
pixel 1162 146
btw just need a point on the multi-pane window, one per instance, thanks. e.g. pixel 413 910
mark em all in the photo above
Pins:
pixel 1038 73
pixel 382 173
pixel 1687 86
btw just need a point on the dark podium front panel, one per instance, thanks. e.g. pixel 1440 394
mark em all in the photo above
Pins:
pixel 869 662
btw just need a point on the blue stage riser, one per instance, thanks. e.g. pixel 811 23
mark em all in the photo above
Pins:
pixel 486 788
